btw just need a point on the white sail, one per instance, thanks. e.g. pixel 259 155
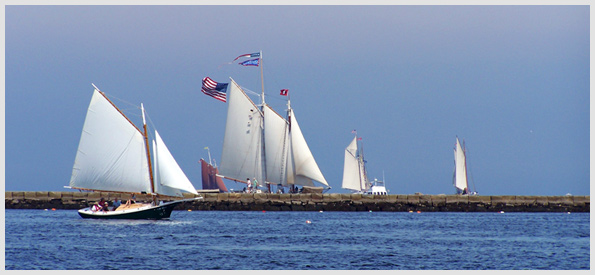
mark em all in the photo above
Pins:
pixel 242 144
pixel 276 137
pixel 351 168
pixel 111 155
pixel 290 164
pixel 305 167
pixel 460 181
pixel 354 169
pixel 169 178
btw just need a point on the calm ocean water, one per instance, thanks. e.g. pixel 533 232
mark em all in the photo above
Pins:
pixel 207 240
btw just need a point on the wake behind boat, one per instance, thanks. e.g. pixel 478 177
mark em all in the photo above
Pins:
pixel 114 156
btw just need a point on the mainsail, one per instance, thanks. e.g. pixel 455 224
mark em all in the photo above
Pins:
pixel 112 156
pixel 460 174
pixel 261 144
pixel 354 170
pixel 242 156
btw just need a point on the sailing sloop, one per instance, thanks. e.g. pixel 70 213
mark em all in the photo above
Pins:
pixel 114 156
pixel 259 144
pixel 460 174
pixel 355 175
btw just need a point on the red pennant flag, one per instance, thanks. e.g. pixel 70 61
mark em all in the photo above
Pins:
pixel 284 92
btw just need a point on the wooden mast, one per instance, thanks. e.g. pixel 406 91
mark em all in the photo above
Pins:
pixel 146 136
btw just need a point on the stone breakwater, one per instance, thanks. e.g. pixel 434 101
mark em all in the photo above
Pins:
pixel 315 202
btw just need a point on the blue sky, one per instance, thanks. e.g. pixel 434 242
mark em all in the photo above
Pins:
pixel 512 81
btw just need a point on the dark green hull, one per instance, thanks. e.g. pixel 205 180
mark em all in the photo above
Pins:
pixel 144 213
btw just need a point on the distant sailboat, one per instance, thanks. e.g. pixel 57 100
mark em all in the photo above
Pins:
pixel 114 156
pixel 355 175
pixel 460 174
pixel 210 181
pixel 261 144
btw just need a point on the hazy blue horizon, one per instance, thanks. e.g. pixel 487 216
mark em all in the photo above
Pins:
pixel 512 81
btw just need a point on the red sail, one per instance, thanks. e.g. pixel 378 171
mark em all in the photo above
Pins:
pixel 209 177
pixel 219 181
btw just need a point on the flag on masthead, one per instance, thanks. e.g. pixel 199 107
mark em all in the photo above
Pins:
pixel 251 62
pixel 248 55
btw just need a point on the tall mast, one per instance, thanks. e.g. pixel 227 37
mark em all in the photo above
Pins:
pixel 148 155
pixel 262 78
pixel 363 164
pixel 209 151
pixel 262 139
pixel 360 161
pixel 466 177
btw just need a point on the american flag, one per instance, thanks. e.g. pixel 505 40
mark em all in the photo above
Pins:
pixel 214 89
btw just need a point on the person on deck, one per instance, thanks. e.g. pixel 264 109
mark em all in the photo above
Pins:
pixel 100 204
pixel 249 185
pixel 117 203
pixel 131 201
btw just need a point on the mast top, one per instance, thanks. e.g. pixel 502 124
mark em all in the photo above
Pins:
pixel 261 77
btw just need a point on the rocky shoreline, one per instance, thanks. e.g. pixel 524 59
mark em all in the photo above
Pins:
pixel 315 202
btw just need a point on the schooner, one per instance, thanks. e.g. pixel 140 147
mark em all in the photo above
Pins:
pixel 261 144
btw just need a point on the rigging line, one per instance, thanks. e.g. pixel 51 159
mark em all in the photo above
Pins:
pixel 469 170
pixel 131 110
pixel 250 91
pixel 121 100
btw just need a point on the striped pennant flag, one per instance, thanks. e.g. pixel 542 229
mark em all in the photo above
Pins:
pixel 248 55
pixel 216 90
